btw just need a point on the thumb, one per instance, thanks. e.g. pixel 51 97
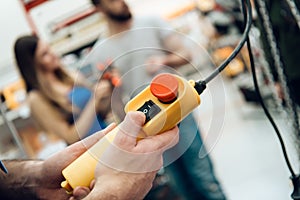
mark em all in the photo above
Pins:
pixel 129 129
pixel 80 193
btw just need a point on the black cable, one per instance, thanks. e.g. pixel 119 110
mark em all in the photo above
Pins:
pixel 237 48
pixel 252 65
pixel 201 85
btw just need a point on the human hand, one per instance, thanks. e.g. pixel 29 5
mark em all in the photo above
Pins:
pixel 103 92
pixel 113 76
pixel 128 168
pixel 154 64
pixel 51 175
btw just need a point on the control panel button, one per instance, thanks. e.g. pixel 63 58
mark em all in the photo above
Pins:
pixel 164 87
pixel 150 109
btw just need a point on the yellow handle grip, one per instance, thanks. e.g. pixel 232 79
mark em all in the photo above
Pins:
pixel 81 171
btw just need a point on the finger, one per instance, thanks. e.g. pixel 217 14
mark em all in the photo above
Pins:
pixel 146 156
pixel 159 142
pixel 92 184
pixel 60 160
pixel 80 192
pixel 129 129
pixel 75 150
pixel 93 139
pixel 103 84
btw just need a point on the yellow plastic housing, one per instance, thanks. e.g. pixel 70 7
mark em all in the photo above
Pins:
pixel 81 171
pixel 170 114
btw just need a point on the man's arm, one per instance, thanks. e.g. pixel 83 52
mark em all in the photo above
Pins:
pixel 179 54
pixel 30 179
pixel 21 181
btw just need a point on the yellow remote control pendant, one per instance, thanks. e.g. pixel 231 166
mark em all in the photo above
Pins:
pixel 167 101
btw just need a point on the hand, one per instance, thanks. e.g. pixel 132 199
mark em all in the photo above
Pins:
pixel 51 175
pixel 116 77
pixel 128 168
pixel 103 92
pixel 154 64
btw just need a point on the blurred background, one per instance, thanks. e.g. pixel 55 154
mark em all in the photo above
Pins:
pixel 243 146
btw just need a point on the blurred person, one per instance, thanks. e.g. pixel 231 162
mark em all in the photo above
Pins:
pixel 62 102
pixel 141 48
pixel 36 179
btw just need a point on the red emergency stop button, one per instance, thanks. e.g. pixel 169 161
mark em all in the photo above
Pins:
pixel 164 87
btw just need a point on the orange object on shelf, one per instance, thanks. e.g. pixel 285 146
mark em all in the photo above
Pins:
pixel 206 5
pixel 14 94
pixel 235 67
pixel 181 11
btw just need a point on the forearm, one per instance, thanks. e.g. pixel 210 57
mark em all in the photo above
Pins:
pixel 22 179
pixel 179 54
pixel 177 60
pixel 55 121
pixel 85 120
pixel 82 124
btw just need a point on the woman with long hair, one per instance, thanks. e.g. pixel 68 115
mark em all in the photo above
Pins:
pixel 61 102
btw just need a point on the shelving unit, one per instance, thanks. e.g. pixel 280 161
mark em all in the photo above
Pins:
pixel 28 5
pixel 6 119
pixel 69 33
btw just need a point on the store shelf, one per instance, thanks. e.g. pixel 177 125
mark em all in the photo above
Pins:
pixel 29 4
pixel 73 19
pixel 11 115
pixel 78 39
pixel 65 29
pixel 180 11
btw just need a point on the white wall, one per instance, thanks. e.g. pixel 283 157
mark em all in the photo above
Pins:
pixel 12 23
